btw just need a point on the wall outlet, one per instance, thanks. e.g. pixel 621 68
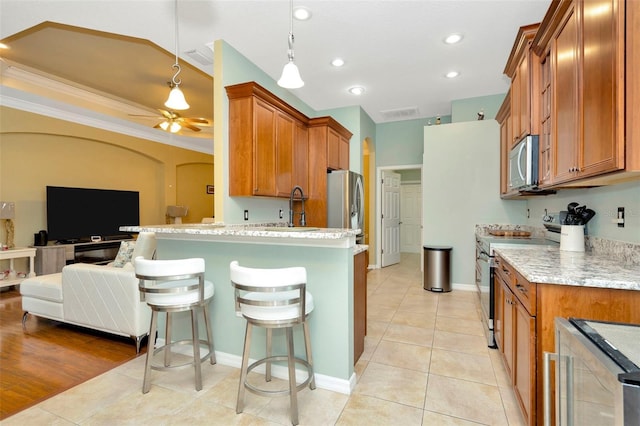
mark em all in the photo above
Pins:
pixel 246 215
pixel 280 214
pixel 620 217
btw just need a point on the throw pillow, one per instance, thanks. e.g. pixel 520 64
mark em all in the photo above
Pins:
pixel 124 254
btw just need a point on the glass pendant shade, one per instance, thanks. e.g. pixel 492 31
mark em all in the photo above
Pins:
pixel 290 78
pixel 176 100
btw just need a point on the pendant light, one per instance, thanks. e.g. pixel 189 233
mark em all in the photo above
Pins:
pixel 290 78
pixel 176 100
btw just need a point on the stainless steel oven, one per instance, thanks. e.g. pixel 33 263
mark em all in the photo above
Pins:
pixel 484 287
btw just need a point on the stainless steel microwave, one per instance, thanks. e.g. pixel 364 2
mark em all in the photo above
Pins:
pixel 523 164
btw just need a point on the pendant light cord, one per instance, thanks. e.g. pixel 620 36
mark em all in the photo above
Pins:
pixel 291 39
pixel 176 66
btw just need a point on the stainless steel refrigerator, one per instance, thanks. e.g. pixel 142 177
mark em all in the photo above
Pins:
pixel 345 201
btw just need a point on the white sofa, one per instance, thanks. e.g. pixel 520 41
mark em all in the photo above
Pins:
pixel 104 298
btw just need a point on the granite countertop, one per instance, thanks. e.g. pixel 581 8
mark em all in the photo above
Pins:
pixel 264 230
pixel 550 265
pixel 359 248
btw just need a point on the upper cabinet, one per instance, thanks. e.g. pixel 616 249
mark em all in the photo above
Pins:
pixel 269 146
pixel 503 117
pixel 584 85
pixel 522 68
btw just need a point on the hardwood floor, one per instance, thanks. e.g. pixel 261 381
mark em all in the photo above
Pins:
pixel 49 357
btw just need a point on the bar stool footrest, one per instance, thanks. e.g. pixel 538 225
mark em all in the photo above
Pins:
pixel 158 367
pixel 263 392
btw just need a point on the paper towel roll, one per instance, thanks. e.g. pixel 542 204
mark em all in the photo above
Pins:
pixel 572 238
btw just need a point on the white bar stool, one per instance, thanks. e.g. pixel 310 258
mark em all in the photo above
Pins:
pixel 175 286
pixel 273 298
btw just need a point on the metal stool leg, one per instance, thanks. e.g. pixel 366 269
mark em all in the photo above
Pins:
pixel 150 350
pixel 307 347
pixel 268 366
pixel 209 334
pixel 167 341
pixel 293 391
pixel 196 348
pixel 243 368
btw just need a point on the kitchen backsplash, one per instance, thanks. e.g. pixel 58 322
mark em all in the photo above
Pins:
pixel 629 253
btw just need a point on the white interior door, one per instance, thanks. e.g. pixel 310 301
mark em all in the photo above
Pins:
pixel 390 218
pixel 410 218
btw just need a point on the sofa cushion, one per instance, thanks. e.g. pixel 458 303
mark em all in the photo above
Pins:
pixel 124 253
pixel 145 246
pixel 46 287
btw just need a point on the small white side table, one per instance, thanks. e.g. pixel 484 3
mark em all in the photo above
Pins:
pixel 16 253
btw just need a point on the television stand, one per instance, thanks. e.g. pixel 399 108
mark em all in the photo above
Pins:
pixel 52 258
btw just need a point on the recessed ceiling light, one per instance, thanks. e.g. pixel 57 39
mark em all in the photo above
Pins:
pixel 453 38
pixel 337 62
pixel 356 90
pixel 452 74
pixel 301 13
pixel 3 46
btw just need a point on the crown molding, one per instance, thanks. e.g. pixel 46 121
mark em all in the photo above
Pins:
pixel 47 104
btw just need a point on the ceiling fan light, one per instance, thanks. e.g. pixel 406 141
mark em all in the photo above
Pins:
pixel 175 127
pixel 176 100
pixel 164 125
pixel 290 78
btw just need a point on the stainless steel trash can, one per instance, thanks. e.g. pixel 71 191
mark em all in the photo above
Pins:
pixel 437 268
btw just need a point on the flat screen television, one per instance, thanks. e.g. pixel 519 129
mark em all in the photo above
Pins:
pixel 77 214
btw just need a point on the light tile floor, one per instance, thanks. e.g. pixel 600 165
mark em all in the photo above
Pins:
pixel 425 362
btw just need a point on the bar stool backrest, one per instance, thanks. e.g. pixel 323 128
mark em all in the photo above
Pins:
pixel 150 272
pixel 278 288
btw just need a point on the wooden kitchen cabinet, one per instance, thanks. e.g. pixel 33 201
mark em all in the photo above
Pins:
pixel 265 155
pixel 337 150
pixel 584 41
pixel 518 333
pixel 522 68
pixel 503 117
pixel 322 133
pixel 359 303
pixel 524 325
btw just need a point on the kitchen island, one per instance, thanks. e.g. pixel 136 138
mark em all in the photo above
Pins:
pixel 328 256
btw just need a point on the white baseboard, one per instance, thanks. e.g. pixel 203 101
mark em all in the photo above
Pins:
pixel 323 381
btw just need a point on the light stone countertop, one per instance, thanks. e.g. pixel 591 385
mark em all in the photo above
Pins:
pixel 359 248
pixel 256 232
pixel 549 265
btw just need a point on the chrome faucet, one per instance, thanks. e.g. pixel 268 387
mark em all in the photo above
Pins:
pixel 303 220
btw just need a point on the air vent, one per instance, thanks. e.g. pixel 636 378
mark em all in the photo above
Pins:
pixel 199 57
pixel 400 113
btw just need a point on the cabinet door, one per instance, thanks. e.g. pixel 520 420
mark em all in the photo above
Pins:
pixel 359 304
pixel 344 154
pixel 498 321
pixel 545 121
pixel 524 100
pixel 566 114
pixel 602 76
pixel 524 361
pixel 508 330
pixel 333 150
pixel 284 154
pixel 301 157
pixel 264 150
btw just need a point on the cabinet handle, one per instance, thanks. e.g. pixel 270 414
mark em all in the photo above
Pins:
pixel 546 385
pixel 521 288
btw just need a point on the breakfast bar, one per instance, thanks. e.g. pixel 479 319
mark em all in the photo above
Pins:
pixel 327 255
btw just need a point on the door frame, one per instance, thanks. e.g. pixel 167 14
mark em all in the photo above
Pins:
pixel 378 224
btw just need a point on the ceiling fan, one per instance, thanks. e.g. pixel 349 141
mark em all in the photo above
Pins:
pixel 173 122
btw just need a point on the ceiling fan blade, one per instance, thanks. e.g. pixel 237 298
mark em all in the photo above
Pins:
pixel 194 120
pixel 189 126
pixel 157 126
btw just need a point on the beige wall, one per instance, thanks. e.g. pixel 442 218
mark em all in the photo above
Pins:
pixel 36 151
